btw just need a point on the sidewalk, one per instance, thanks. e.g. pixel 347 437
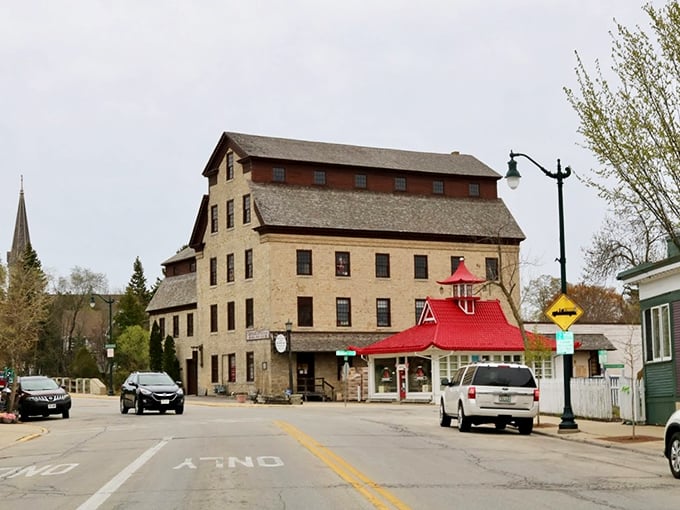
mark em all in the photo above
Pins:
pixel 648 438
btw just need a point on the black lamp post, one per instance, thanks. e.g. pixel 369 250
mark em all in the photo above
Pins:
pixel 289 329
pixel 110 302
pixel 567 424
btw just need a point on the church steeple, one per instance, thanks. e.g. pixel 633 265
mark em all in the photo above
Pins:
pixel 21 238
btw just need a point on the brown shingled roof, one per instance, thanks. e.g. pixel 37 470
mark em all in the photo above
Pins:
pixel 285 149
pixel 174 292
pixel 294 206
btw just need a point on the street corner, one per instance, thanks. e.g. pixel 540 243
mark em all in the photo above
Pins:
pixel 13 433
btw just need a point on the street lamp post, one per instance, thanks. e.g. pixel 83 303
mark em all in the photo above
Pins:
pixel 567 424
pixel 289 329
pixel 110 302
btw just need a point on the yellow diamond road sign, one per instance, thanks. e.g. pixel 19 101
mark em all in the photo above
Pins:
pixel 564 312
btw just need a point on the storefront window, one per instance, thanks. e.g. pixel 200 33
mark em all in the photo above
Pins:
pixel 419 375
pixel 385 375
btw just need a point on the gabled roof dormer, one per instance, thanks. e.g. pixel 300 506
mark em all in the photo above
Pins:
pixel 461 282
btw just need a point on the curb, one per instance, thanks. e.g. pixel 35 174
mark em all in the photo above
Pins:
pixel 600 443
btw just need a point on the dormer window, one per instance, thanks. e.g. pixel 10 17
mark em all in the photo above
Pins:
pixel 400 184
pixel 319 177
pixel 438 187
pixel 473 189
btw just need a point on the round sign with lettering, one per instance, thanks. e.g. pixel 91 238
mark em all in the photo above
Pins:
pixel 280 343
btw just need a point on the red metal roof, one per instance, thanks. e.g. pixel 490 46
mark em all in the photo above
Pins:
pixel 461 275
pixel 453 330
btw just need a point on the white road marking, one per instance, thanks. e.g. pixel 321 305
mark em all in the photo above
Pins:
pixel 99 497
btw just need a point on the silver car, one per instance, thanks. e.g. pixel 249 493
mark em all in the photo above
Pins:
pixel 499 393
pixel 672 443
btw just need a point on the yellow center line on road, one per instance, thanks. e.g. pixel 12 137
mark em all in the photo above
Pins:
pixel 369 489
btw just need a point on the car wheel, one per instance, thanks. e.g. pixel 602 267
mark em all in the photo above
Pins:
pixel 463 421
pixel 66 414
pixel 674 455
pixel 123 408
pixel 444 419
pixel 500 425
pixel 139 407
pixel 525 426
pixel 179 410
pixel 46 415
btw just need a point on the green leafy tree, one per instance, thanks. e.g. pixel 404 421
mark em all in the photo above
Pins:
pixel 132 351
pixel 170 361
pixel 631 125
pixel 24 306
pixel 156 348
pixel 84 364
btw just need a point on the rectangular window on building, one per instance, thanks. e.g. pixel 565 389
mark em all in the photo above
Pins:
pixel 213 318
pixel 230 267
pixel 214 368
pixel 319 177
pixel 400 184
pixel 383 312
pixel 250 366
pixel 213 271
pixel 420 267
pixel 360 181
pixel 304 262
pixel 246 209
pixel 249 263
pixel 230 166
pixel 342 263
pixel 491 264
pixel 175 326
pixel 213 218
pixel 190 324
pixel 231 365
pixel 343 311
pixel 438 187
pixel 231 316
pixel 657 333
pixel 473 189
pixel 250 313
pixel 382 265
pixel 420 304
pixel 230 214
pixel 278 174
pixel 161 327
pixel 305 311
pixel 455 262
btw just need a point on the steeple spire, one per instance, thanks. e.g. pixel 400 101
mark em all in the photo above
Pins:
pixel 21 238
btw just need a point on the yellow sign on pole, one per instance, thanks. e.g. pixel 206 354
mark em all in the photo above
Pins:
pixel 564 312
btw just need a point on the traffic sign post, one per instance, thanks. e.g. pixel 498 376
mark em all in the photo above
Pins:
pixel 564 312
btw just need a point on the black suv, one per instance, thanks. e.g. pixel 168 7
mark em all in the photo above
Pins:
pixel 156 391
pixel 42 396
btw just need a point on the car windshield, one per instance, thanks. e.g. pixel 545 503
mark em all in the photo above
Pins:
pixel 39 384
pixel 155 379
pixel 504 376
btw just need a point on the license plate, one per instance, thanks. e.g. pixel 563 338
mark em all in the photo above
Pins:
pixel 504 399
pixel 165 402
pixel 51 406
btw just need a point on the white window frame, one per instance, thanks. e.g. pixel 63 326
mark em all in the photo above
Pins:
pixel 660 322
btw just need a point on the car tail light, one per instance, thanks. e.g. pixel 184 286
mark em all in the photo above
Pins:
pixel 472 392
pixel 536 394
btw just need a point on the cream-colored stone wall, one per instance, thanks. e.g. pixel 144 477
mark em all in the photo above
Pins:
pixel 275 287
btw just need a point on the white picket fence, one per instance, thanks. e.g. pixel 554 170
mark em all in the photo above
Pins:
pixel 596 398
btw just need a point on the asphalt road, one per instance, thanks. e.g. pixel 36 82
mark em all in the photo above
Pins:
pixel 325 456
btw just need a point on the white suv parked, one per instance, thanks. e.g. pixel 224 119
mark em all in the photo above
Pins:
pixel 499 393
pixel 672 443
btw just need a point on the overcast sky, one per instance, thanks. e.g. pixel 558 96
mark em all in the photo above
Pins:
pixel 110 110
